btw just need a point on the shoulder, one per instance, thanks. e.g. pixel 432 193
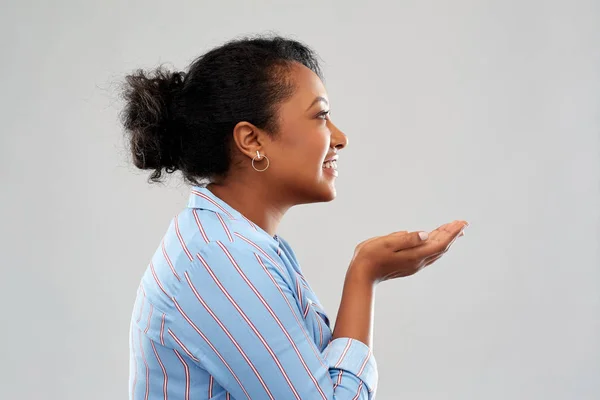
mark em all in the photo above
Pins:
pixel 244 253
pixel 210 234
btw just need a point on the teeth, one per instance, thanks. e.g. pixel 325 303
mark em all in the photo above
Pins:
pixel 330 164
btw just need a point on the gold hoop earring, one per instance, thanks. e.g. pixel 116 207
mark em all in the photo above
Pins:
pixel 258 157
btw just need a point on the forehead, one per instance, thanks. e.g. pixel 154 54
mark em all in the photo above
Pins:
pixel 308 85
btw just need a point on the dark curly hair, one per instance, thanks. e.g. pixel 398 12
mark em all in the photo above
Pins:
pixel 184 120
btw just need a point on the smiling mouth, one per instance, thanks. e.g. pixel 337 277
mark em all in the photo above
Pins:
pixel 330 164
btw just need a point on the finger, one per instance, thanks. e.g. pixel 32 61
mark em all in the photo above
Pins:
pixel 427 262
pixel 397 241
pixel 461 232
pixel 448 228
pixel 433 259
pixel 441 239
pixel 439 232
pixel 452 235
pixel 398 234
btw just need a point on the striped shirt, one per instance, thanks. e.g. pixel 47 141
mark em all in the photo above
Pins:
pixel 224 312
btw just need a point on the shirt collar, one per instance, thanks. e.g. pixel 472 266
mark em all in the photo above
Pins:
pixel 202 198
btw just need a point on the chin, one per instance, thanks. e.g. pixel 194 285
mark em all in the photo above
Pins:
pixel 322 194
pixel 328 193
pixel 319 191
pixel 331 195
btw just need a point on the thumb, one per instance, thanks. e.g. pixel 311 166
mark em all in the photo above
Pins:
pixel 408 240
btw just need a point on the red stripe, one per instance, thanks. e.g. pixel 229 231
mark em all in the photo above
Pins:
pixel 169 261
pixel 263 301
pixel 210 387
pixel 228 396
pixel 299 293
pixel 162 330
pixel 251 223
pixel 225 227
pixel 157 281
pixel 303 279
pixel 301 276
pixel 181 240
pixel 213 349
pixel 257 247
pixel 205 197
pixel 318 308
pixel 248 321
pixel 142 304
pixel 306 310
pixel 320 332
pixel 337 365
pixel 300 325
pixel 364 364
pixel 146 364
pixel 359 390
pixel 190 355
pixel 229 335
pixel 187 375
pixel 134 366
pixel 200 227
pixel 149 316
pixel 165 377
pixel 339 380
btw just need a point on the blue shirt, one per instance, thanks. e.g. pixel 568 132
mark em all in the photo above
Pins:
pixel 224 312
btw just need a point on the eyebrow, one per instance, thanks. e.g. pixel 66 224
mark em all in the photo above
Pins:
pixel 318 100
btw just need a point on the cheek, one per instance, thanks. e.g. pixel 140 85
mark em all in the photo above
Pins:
pixel 311 154
pixel 314 143
pixel 304 146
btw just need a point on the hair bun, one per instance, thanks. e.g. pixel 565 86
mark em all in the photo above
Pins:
pixel 148 119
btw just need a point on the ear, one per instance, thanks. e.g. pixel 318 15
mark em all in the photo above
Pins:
pixel 248 139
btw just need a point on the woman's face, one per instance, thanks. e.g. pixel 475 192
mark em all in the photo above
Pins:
pixel 306 140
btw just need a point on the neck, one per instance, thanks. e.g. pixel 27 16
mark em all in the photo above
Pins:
pixel 253 200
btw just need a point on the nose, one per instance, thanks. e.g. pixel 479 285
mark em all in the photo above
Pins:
pixel 339 140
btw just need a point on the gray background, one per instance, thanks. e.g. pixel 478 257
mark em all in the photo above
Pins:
pixel 481 110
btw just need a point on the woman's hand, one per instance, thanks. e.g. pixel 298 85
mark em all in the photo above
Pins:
pixel 403 253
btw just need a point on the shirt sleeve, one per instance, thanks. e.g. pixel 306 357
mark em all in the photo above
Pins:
pixel 237 317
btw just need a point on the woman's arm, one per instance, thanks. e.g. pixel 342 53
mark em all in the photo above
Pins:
pixel 382 258
pixel 355 315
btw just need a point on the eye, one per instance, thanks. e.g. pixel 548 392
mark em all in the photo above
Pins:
pixel 324 115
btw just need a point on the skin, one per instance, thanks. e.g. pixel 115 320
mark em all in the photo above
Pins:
pixel 295 175
pixel 306 138
pixel 378 259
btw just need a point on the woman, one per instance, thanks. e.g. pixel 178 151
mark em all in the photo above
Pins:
pixel 223 310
